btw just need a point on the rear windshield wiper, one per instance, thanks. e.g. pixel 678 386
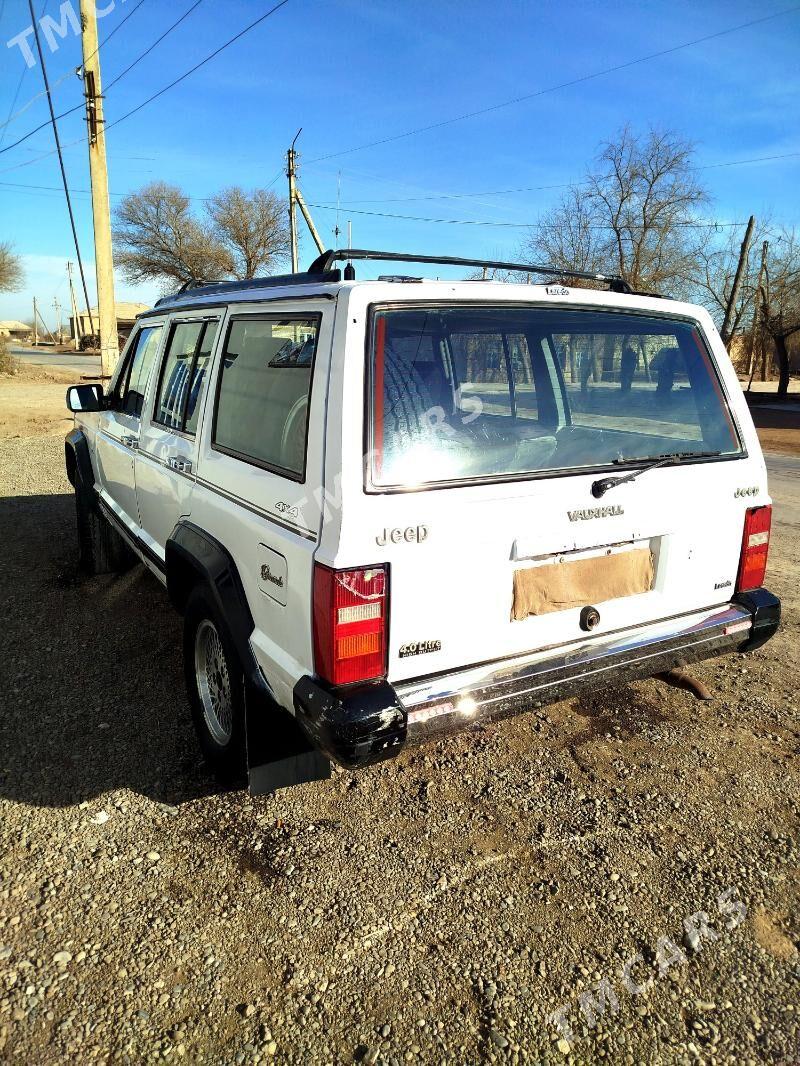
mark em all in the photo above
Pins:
pixel 601 487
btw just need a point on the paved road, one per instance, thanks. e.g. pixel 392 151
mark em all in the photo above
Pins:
pixel 784 487
pixel 86 364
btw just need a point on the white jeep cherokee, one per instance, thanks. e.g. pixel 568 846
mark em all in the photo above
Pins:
pixel 391 509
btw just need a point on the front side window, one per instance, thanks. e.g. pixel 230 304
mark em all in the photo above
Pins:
pixel 183 373
pixel 264 392
pixel 136 374
pixel 464 393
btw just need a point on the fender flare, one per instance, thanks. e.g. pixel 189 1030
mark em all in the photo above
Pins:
pixel 193 555
pixel 278 751
pixel 79 465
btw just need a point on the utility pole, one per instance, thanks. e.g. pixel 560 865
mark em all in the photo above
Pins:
pixel 291 175
pixel 726 330
pixel 35 324
pixel 98 170
pixel 57 309
pixel 76 322
pixel 755 322
pixel 309 221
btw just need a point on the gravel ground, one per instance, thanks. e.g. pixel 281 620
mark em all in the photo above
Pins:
pixel 437 908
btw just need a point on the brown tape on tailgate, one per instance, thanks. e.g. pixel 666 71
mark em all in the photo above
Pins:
pixel 576 583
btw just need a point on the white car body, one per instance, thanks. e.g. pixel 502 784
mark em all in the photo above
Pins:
pixel 451 551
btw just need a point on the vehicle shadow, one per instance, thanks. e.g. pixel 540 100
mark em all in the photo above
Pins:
pixel 91 677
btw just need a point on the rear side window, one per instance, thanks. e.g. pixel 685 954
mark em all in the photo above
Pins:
pixel 264 392
pixel 480 393
pixel 137 373
pixel 183 373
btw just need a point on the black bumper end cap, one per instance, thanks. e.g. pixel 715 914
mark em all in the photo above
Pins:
pixel 765 609
pixel 354 726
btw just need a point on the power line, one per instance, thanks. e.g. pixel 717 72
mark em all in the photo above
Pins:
pixel 154 45
pixel 60 160
pixel 19 85
pixel 553 88
pixel 544 188
pixel 502 225
pixel 439 196
pixel 197 66
pixel 64 76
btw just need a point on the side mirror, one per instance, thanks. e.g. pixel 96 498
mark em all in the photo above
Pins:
pixel 85 398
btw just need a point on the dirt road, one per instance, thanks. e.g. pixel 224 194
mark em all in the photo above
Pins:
pixel 441 907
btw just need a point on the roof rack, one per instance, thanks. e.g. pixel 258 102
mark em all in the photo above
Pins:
pixel 325 262
pixel 322 271
pixel 212 288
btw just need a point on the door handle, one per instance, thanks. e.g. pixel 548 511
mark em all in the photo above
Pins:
pixel 179 464
pixel 130 442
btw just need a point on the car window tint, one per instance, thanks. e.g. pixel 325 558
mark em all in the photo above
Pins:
pixel 198 377
pixel 138 373
pixel 175 374
pixel 262 405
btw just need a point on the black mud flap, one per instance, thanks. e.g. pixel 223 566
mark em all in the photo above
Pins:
pixel 279 753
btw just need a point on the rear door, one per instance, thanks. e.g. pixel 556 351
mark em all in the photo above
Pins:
pixel 166 460
pixel 119 426
pixel 489 427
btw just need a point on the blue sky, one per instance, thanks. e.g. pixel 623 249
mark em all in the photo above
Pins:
pixel 351 72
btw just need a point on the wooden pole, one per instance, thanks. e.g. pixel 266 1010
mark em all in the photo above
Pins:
pixel 754 324
pixel 98 171
pixel 744 251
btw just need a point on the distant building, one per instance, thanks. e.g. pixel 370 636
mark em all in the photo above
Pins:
pixel 126 316
pixel 16 331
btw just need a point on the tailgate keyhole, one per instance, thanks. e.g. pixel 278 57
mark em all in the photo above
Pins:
pixel 590 618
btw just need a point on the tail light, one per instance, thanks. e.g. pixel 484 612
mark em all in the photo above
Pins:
pixel 350 623
pixel 755 548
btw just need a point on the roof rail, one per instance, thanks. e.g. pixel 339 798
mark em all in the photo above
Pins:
pixel 211 288
pixel 327 259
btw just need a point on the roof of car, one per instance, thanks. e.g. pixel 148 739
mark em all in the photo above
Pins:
pixel 322 278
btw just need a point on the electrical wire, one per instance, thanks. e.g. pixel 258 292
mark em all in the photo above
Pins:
pixel 544 188
pixel 502 225
pixel 155 95
pixel 197 66
pixel 154 45
pixel 61 160
pixel 19 86
pixel 65 75
pixel 553 88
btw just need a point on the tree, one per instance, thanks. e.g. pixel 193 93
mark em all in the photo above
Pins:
pixel 158 238
pixel 779 298
pixel 635 214
pixel 252 227
pixel 715 271
pixel 12 275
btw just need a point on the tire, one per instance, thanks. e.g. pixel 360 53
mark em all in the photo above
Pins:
pixel 407 402
pixel 101 549
pixel 215 687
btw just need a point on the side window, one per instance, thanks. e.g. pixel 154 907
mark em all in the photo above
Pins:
pixel 182 374
pixel 264 389
pixel 135 376
pixel 199 373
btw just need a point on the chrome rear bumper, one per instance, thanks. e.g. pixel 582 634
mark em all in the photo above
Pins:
pixel 453 702
pixel 361 724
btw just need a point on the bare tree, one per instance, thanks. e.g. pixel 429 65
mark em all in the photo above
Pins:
pixel 158 238
pixel 715 271
pixel 779 299
pixel 634 214
pixel 12 275
pixel 252 227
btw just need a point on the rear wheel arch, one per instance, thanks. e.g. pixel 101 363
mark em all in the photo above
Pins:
pixel 194 558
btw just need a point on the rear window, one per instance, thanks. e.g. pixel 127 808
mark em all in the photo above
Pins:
pixel 462 394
